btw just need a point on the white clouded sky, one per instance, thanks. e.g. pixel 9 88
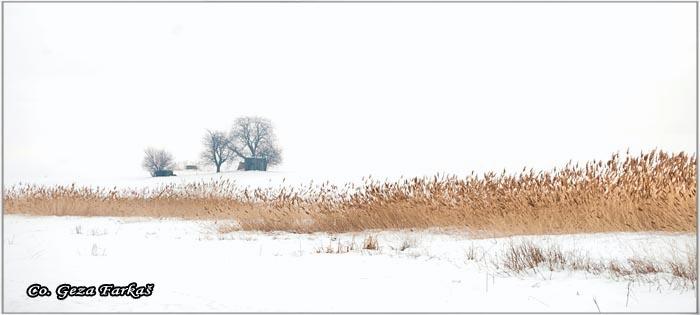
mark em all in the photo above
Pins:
pixel 353 88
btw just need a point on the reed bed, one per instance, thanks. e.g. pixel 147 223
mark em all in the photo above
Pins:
pixel 654 191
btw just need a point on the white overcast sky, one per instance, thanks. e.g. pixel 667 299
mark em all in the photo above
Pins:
pixel 353 88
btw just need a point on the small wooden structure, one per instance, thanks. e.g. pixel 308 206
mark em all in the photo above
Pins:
pixel 161 173
pixel 191 167
pixel 255 164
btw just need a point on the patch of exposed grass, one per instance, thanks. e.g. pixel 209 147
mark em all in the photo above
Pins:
pixel 527 257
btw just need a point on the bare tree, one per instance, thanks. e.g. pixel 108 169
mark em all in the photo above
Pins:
pixel 217 149
pixel 157 160
pixel 272 153
pixel 253 136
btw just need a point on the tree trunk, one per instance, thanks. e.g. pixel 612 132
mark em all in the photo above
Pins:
pixel 218 168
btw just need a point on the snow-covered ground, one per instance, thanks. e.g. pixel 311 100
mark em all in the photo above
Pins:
pixel 196 268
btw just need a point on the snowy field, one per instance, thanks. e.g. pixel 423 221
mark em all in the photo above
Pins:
pixel 196 268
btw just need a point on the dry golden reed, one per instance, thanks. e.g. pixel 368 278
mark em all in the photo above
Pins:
pixel 652 191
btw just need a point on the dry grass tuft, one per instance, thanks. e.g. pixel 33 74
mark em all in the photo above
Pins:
pixel 371 243
pixel 471 253
pixel 653 191
pixel 340 248
pixel 407 243
pixel 685 267
pixel 527 256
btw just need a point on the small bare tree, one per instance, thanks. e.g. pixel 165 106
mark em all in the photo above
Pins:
pixel 255 137
pixel 217 149
pixel 157 160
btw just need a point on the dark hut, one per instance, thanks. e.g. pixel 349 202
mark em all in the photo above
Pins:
pixel 255 164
